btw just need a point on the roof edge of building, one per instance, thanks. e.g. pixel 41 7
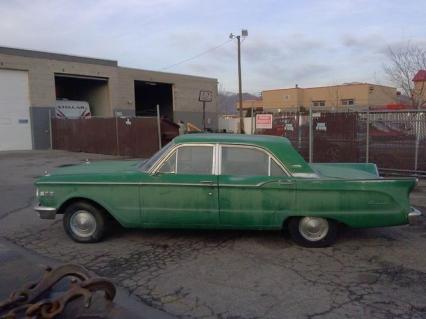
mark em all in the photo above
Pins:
pixel 168 73
pixel 56 56
pixel 328 86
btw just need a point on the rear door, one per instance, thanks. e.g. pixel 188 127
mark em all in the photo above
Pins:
pixel 254 189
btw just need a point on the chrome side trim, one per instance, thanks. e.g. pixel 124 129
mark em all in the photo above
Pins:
pixel 123 183
pixel 414 216
pixel 306 175
pixel 45 212
pixel 279 182
pixel 166 184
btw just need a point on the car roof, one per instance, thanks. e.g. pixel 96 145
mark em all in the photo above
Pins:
pixel 230 138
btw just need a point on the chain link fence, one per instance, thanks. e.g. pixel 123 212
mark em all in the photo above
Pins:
pixel 394 140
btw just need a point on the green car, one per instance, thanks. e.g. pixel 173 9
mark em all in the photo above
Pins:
pixel 225 181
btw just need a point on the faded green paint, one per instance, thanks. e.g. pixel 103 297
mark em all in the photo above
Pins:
pixel 349 193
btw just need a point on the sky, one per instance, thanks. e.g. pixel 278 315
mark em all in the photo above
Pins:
pixel 304 42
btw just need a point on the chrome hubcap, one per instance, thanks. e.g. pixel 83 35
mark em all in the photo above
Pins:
pixel 83 223
pixel 313 228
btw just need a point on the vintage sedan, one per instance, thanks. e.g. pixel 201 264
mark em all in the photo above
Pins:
pixel 224 181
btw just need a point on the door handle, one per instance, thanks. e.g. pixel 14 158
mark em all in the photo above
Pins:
pixel 207 182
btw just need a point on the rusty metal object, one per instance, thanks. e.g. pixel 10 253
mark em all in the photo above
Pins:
pixel 31 301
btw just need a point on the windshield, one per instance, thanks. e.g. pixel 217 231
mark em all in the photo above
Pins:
pixel 146 166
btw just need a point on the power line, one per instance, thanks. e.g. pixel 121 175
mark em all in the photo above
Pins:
pixel 197 55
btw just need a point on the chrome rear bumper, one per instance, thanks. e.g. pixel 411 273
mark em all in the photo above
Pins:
pixel 45 212
pixel 414 216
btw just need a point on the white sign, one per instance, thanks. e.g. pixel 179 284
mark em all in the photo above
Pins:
pixel 68 109
pixel 205 96
pixel 264 121
pixel 289 127
pixel 321 127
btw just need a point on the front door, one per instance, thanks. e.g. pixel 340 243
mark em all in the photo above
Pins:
pixel 183 191
pixel 254 190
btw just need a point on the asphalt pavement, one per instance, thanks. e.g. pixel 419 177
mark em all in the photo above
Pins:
pixel 370 273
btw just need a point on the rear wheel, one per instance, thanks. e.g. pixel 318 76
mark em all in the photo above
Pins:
pixel 84 223
pixel 312 231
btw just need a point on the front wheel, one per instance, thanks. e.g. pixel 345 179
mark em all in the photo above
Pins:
pixel 84 223
pixel 313 231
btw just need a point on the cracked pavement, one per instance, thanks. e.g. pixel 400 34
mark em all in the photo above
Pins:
pixel 371 273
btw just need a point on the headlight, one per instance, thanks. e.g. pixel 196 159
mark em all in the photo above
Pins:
pixel 37 193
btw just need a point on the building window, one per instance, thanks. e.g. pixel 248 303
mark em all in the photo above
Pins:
pixel 348 102
pixel 318 103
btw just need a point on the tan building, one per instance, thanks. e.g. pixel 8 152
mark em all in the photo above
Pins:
pixel 336 96
pixel 31 82
pixel 419 93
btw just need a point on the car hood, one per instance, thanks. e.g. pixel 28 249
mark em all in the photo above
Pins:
pixel 98 167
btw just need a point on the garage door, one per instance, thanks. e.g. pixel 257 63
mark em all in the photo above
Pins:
pixel 15 128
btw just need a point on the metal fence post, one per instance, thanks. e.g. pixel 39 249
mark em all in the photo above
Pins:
pixel 159 127
pixel 311 136
pixel 416 152
pixel 116 135
pixel 252 128
pixel 367 138
pixel 50 129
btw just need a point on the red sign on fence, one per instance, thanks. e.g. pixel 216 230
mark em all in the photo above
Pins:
pixel 264 121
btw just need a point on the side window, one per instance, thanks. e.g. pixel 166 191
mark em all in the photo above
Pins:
pixel 195 160
pixel 276 170
pixel 244 161
pixel 189 160
pixel 169 166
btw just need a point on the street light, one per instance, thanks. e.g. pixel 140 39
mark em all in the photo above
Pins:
pixel 244 33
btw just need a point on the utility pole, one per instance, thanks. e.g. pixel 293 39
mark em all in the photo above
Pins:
pixel 244 33
pixel 159 127
pixel 240 90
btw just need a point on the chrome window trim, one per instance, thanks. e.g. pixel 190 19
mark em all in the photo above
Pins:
pixel 216 160
pixel 269 165
pixel 250 146
pixel 160 162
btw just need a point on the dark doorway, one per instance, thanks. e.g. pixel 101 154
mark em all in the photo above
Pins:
pixel 149 94
pixel 93 90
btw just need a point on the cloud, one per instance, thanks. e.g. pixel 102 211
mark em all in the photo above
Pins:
pixel 366 41
pixel 283 47
pixel 309 71
pixel 308 42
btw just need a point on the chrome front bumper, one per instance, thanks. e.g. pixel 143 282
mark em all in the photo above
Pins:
pixel 414 216
pixel 45 212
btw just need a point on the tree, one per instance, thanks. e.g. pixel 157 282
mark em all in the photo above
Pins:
pixel 404 63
